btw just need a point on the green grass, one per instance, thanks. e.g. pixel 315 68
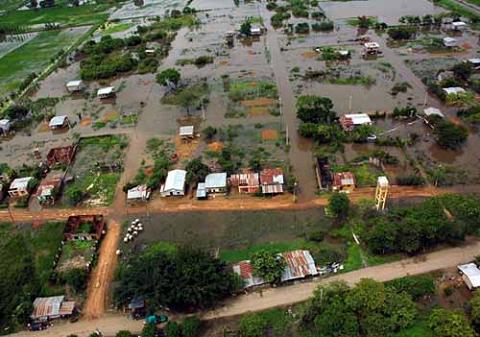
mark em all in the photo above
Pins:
pixel 116 28
pixel 418 329
pixel 8 5
pixel 72 16
pixel 354 258
pixel 101 186
pixel 33 56
pixel 457 8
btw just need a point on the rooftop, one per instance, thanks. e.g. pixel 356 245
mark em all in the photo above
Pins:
pixel 454 90
pixel 51 307
pixel 186 130
pixel 201 192
pixel 471 271
pixel 74 83
pixel 433 112
pixel 20 183
pixel 358 119
pixel 300 264
pixel 245 179
pixel 105 91
pixel 216 180
pixel 58 121
pixel 138 192
pixel 175 180
pixel 343 179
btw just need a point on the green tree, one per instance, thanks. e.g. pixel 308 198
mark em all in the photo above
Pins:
pixel 268 266
pixel 463 70
pixel 196 170
pixel 149 330
pixel 185 280
pixel 75 195
pixel 339 205
pixel 246 27
pixel 209 133
pixel 172 329
pixel 445 323
pixel 75 278
pixel 314 109
pixel 475 304
pixel 124 333
pixel 191 326
pixel 253 325
pixel 170 75
pixel 449 135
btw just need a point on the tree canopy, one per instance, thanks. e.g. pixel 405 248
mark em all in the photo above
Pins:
pixel 268 266
pixel 196 170
pixel 449 135
pixel 314 109
pixel 171 75
pixel 339 204
pixel 185 280
pixel 445 323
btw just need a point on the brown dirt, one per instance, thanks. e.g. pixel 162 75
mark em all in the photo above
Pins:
pixel 261 101
pixel 466 46
pixel 86 121
pixel 148 170
pixel 224 63
pixel 185 149
pixel 110 116
pixel 309 54
pixel 258 111
pixel 215 146
pixel 102 276
pixel 269 134
pixel 43 127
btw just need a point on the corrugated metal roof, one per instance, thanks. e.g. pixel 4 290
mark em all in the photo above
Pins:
pixel 245 271
pixel 471 271
pixel 186 130
pixel 105 91
pixel 245 179
pixel 359 119
pixel 20 183
pixel 216 180
pixel 272 189
pixel 138 192
pixel 47 306
pixel 300 264
pixel 201 192
pixel 58 121
pixel 343 178
pixel 271 176
pixel 175 180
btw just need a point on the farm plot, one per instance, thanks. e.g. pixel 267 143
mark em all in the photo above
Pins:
pixel 33 56
pixel 96 170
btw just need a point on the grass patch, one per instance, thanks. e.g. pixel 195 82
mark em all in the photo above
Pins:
pixel 32 57
pixel 116 28
pixel 71 16
pixel 354 258
pixel 458 9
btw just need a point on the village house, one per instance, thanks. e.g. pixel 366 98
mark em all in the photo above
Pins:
pixel 475 63
pixel 371 48
pixel 299 264
pixel 255 30
pixel 201 192
pixel 454 91
pixel 450 42
pixel 106 92
pixel 351 121
pixel 431 111
pixel 5 126
pixel 216 183
pixel 138 193
pixel 84 227
pixel 458 26
pixel 186 133
pixel 343 182
pixel 174 184
pixel 58 122
pixel 20 187
pixel 75 86
pixel 48 308
pixel 246 181
pixel 48 190
pixel 470 275
pixel 271 181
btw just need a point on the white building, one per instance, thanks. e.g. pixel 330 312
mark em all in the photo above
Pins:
pixel 174 184
pixel 58 122
pixel 458 25
pixel 433 112
pixel 140 192
pixel 106 92
pixel 75 86
pixel 186 132
pixel 351 121
pixel 470 274
pixel 19 187
pixel 216 183
pixel 454 91
pixel 450 42
pixel 255 31
pixel 475 62
pixel 5 125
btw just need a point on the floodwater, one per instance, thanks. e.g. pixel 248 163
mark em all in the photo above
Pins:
pixel 387 11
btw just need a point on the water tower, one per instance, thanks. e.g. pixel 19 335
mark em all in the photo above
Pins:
pixel 381 193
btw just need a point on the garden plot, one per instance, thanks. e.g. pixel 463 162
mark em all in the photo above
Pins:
pixel 96 170
pixel 11 42
pixel 76 254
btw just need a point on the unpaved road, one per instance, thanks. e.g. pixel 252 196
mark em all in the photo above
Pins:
pixel 102 276
pixel 111 323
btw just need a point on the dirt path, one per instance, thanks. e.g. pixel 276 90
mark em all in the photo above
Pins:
pixel 102 276
pixel 446 258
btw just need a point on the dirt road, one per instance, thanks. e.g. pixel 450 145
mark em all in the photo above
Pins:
pixel 102 276
pixel 111 323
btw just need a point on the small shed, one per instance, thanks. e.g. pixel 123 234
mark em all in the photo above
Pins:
pixel 272 180
pixel 343 182
pixel 19 187
pixel 475 63
pixel 450 42
pixel 140 192
pixel 216 183
pixel 454 91
pixel 371 48
pixel 458 25
pixel 174 184
pixel 46 308
pixel 186 132
pixel 470 274
pixel 106 92
pixel 5 126
pixel 433 112
pixel 255 31
pixel 58 122
pixel 201 192
pixel 299 264
pixel 75 86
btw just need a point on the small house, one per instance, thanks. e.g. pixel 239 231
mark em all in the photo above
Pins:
pixel 433 112
pixel 106 92
pixel 150 52
pixel 84 227
pixel 255 31
pixel 75 86
pixel 58 122
pixel 350 121
pixel 454 91
pixel 450 42
pixel 458 26
pixel 246 181
pixel 201 191
pixel 470 275
pixel 216 183
pixel 174 184
pixel 186 132
pixel 5 126
pixel 475 63
pixel 343 182
pixel 48 190
pixel 271 181
pixel 371 48
pixel 138 193
pixel 48 308
pixel 299 265
pixel 20 187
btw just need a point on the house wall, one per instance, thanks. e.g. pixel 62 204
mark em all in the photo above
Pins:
pixel 171 193
pixel 18 193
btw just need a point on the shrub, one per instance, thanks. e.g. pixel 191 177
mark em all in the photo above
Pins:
pixel 324 26
pixel 410 180
pixel 302 28
pixel 401 33
pixel 191 326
